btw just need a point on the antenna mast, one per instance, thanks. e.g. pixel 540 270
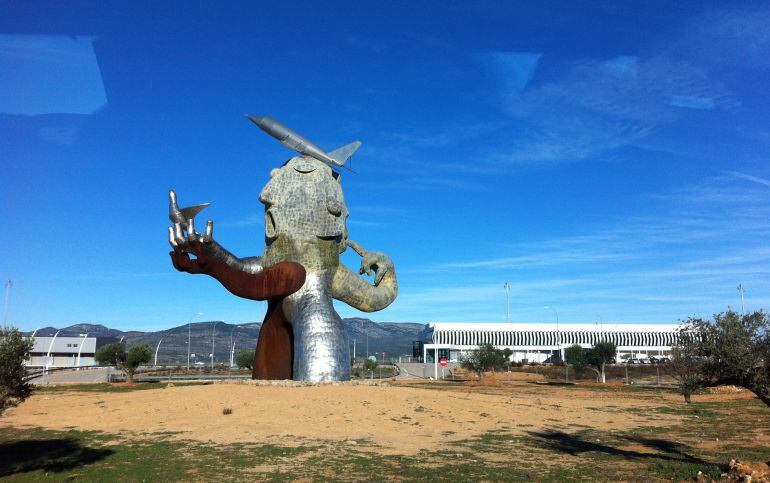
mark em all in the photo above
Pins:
pixel 8 286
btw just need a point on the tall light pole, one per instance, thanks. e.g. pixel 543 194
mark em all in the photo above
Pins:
pixel 507 288
pixel 8 286
pixel 232 346
pixel 367 338
pixel 740 289
pixel 601 323
pixel 80 350
pixel 213 332
pixel 156 351
pixel 558 333
pixel 48 356
pixel 189 321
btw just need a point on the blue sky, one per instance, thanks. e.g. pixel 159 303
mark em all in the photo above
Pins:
pixel 607 160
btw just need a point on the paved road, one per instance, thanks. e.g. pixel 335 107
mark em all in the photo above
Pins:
pixel 82 376
pixel 415 370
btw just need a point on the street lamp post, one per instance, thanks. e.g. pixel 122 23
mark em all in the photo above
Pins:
pixel 189 321
pixel 8 286
pixel 156 351
pixel 80 350
pixel 213 332
pixel 601 323
pixel 507 288
pixel 48 356
pixel 367 338
pixel 232 347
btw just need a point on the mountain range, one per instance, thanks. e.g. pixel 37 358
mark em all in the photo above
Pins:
pixel 394 339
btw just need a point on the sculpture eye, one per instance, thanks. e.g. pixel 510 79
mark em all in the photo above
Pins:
pixel 303 165
pixel 334 206
pixel 333 199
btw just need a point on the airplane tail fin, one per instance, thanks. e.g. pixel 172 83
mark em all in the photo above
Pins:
pixel 343 154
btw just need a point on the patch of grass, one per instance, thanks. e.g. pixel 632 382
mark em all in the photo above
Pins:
pixel 114 387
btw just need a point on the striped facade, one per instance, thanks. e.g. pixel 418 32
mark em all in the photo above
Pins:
pixel 538 342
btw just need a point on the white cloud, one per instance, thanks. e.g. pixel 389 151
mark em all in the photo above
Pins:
pixel 748 177
pixel 578 110
pixel 691 102
pixel 686 260
pixel 251 220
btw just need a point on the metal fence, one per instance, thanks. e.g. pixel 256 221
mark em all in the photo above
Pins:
pixel 641 374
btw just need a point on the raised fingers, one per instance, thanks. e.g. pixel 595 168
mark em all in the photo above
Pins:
pixel 208 236
pixel 179 235
pixel 172 201
pixel 171 239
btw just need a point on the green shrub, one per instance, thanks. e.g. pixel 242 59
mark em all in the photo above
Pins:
pixel 115 355
pixel 245 359
pixel 14 351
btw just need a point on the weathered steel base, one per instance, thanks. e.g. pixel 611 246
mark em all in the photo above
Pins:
pixel 274 356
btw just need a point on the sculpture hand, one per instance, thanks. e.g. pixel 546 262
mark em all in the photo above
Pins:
pixel 188 242
pixel 378 262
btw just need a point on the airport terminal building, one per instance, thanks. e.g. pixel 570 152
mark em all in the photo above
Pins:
pixel 542 342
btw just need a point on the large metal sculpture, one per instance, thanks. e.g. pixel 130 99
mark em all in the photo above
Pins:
pixel 299 273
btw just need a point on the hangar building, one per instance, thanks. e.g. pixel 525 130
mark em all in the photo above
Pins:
pixel 542 342
pixel 62 352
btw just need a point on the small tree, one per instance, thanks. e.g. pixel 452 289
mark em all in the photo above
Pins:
pixel 111 354
pixel 687 365
pixel 575 356
pixel 595 358
pixel 599 356
pixel 115 354
pixel 370 365
pixel 733 349
pixel 507 353
pixel 472 362
pixel 483 359
pixel 14 351
pixel 137 355
pixel 245 359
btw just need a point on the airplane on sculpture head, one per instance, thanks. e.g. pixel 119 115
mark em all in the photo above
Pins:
pixel 295 141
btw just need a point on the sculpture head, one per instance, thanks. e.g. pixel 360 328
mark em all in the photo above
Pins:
pixel 304 204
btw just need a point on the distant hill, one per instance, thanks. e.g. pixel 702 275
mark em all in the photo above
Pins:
pixel 390 337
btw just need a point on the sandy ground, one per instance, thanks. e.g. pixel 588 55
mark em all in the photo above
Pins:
pixel 398 419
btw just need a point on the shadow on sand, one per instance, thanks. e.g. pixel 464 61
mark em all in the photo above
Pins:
pixel 50 455
pixel 574 445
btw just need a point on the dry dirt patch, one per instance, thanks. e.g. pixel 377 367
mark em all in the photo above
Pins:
pixel 398 419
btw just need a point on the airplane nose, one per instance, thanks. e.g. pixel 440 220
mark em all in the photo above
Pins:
pixel 255 119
